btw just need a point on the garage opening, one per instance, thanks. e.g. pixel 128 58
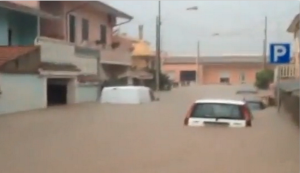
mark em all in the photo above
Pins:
pixel 57 90
pixel 187 76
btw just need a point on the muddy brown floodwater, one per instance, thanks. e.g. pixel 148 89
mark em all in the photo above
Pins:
pixel 149 138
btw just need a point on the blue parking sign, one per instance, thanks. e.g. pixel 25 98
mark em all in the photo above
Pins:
pixel 280 53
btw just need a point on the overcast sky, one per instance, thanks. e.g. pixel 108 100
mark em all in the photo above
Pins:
pixel 239 23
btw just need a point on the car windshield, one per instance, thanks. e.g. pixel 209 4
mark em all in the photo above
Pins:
pixel 217 110
pixel 254 105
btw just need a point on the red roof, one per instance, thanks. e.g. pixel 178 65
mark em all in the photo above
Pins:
pixel 9 53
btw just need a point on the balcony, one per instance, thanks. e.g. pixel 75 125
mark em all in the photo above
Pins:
pixel 116 56
pixel 61 52
pixel 287 71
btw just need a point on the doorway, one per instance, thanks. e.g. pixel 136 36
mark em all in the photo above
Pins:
pixel 57 91
pixel 187 76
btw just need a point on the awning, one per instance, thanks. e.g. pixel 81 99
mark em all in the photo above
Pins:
pixel 46 66
pixel 26 9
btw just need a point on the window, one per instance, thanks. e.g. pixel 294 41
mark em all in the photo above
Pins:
pixel 72 28
pixel 103 33
pixel 85 29
pixel 224 77
pixel 9 37
pixel 217 110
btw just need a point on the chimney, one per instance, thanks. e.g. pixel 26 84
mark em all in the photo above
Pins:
pixel 141 32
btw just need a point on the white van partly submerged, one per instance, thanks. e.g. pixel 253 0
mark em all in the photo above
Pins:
pixel 127 95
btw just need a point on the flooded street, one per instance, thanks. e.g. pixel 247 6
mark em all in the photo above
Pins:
pixel 149 138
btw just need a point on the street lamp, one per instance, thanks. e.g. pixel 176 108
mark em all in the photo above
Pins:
pixel 198 57
pixel 158 43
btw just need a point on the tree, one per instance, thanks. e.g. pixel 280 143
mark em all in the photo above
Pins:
pixel 264 78
pixel 164 80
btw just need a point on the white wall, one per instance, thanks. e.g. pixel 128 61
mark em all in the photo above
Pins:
pixel 58 51
pixel 86 94
pixel 21 92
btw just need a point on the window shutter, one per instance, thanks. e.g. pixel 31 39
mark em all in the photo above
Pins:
pixel 103 34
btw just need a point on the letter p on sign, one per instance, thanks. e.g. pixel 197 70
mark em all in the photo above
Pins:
pixel 280 53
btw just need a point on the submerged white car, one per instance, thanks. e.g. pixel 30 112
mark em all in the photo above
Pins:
pixel 219 112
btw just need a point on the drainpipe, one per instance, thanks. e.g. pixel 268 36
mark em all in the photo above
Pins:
pixel 122 23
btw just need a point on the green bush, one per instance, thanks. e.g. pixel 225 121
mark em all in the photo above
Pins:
pixel 164 80
pixel 264 78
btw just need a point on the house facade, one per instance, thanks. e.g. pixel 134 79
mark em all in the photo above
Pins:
pixel 213 70
pixel 285 88
pixel 142 57
pixel 57 52
pixel 295 31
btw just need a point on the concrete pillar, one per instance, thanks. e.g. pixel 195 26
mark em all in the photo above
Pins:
pixel 200 76
pixel 129 77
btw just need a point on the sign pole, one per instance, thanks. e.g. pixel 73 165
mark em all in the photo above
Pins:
pixel 265 44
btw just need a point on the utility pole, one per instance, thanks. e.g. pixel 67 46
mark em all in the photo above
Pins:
pixel 158 46
pixel 265 43
pixel 197 63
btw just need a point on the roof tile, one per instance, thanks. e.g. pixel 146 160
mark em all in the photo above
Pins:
pixel 58 67
pixel 10 53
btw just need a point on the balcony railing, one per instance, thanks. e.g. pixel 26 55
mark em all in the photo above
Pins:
pixel 86 51
pixel 59 51
pixel 288 71
pixel 115 56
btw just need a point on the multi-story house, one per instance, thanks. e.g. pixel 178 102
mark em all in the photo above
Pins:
pixel 286 84
pixel 294 29
pixel 142 58
pixel 55 52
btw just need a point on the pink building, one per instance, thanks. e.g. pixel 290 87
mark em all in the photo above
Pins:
pixel 64 48
pixel 213 69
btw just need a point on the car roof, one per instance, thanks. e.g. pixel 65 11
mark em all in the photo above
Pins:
pixel 224 101
pixel 252 98
pixel 126 87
